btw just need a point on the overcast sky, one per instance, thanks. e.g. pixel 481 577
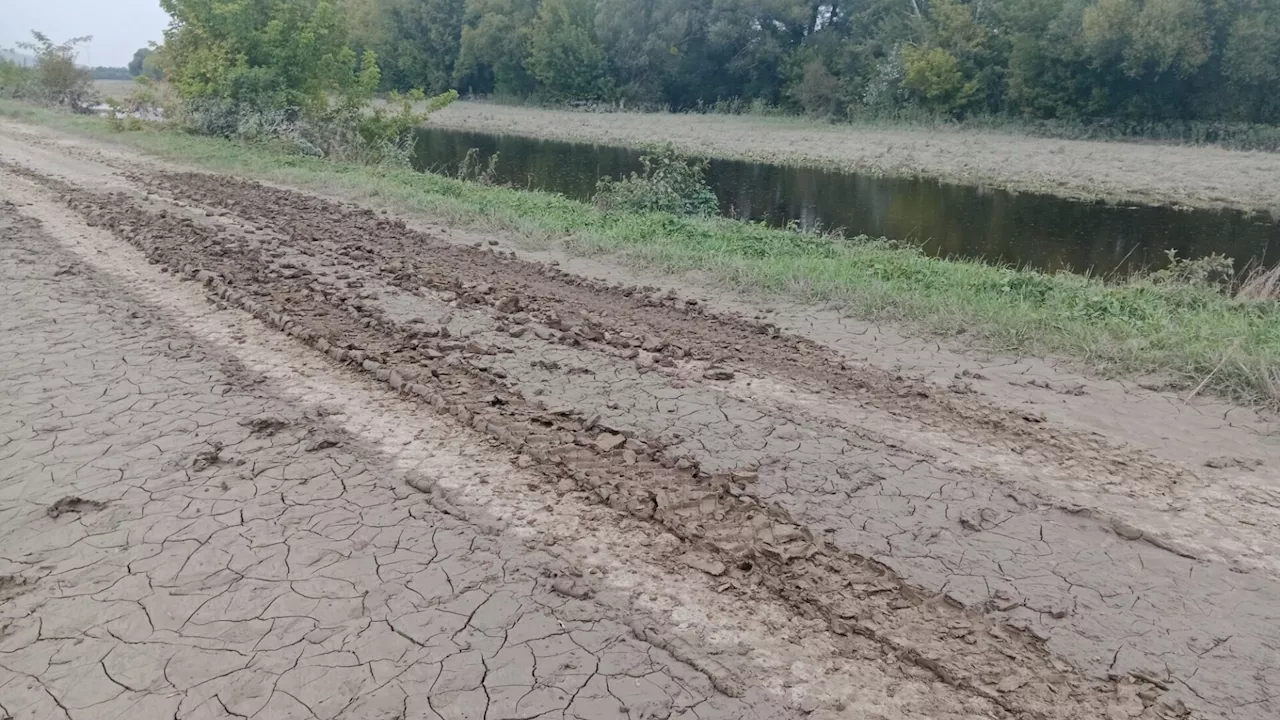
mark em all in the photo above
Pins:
pixel 118 27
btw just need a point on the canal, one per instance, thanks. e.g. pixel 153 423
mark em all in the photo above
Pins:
pixel 1020 229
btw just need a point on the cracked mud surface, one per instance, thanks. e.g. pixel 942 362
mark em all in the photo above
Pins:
pixel 952 553
pixel 274 578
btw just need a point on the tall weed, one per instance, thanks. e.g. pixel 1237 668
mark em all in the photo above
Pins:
pixel 670 183
pixel 1261 284
pixel 472 169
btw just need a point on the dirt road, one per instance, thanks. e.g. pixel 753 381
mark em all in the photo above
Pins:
pixel 268 455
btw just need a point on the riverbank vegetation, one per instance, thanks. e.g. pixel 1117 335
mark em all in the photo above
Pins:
pixel 1120 173
pixel 276 91
pixel 1179 70
pixel 1188 326
pixel 280 72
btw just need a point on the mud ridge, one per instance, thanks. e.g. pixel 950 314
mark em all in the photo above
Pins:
pixel 641 319
pixel 759 543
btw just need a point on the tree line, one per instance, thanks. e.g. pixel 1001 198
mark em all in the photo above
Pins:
pixel 1137 60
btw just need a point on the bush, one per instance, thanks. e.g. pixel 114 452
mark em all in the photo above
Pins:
pixel 471 169
pixel 15 80
pixel 349 129
pixel 226 118
pixel 818 92
pixel 355 130
pixel 671 183
pixel 1213 271
pixel 146 102
pixel 56 79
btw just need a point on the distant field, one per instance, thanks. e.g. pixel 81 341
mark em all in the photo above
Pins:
pixel 114 88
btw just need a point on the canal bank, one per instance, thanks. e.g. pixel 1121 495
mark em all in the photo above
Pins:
pixel 1023 230
pixel 1187 337
pixel 1120 172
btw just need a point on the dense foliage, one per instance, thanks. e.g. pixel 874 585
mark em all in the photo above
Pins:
pixel 1131 61
pixel 283 70
pixel 670 183
pixel 145 63
pixel 14 78
pixel 54 79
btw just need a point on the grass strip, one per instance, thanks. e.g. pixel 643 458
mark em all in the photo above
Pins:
pixel 1186 335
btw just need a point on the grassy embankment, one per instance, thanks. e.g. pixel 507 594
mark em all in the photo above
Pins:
pixel 1002 157
pixel 1193 336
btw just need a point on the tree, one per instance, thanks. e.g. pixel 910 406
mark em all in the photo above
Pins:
pixel 139 57
pixel 756 38
pixel 265 53
pixel 1169 36
pixel 1251 58
pixel 1159 48
pixel 493 47
pixel 818 91
pixel 563 55
pixel 101 72
pixel 57 78
pixel 1133 60
pixel 419 40
pixel 934 74
pixel 660 52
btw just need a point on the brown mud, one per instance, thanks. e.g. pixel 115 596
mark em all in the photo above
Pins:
pixel 757 447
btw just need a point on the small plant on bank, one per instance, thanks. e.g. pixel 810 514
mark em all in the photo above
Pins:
pixel 356 129
pixel 471 169
pixel 671 183
pixel 1261 284
pixel 1213 271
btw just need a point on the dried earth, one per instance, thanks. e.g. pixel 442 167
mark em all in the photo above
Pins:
pixel 1124 172
pixel 264 454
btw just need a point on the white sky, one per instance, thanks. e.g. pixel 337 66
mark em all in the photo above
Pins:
pixel 118 27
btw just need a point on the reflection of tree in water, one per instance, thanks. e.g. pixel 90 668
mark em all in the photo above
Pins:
pixel 950 220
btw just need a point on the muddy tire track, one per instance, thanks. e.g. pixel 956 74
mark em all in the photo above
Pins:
pixel 196 225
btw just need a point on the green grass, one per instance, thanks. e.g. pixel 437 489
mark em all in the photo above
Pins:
pixel 1185 334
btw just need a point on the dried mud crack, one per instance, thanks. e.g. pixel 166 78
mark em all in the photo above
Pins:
pixel 283 582
pixel 680 417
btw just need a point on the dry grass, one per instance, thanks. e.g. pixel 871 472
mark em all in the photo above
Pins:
pixel 1135 173
pixel 1261 284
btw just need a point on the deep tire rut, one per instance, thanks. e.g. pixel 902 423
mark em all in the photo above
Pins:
pixel 344 280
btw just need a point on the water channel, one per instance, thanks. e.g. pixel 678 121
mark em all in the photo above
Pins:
pixel 1020 229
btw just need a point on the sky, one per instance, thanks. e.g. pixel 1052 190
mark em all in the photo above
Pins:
pixel 118 27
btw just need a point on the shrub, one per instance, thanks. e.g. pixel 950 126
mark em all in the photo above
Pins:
pixel 471 169
pixel 1213 271
pixel 357 130
pixel 146 102
pixel 818 92
pixel 671 183
pixel 350 126
pixel 15 80
pixel 56 79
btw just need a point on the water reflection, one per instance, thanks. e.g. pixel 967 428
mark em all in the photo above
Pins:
pixel 950 220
